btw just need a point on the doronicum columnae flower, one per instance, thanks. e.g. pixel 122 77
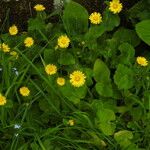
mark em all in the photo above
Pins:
pixel 60 81
pixel 15 54
pixel 24 91
pixel 77 78
pixel 142 61
pixel 5 48
pixel 50 69
pixel 63 41
pixel 2 100
pixel 13 30
pixel 39 7
pixel 28 41
pixel 115 6
pixel 95 18
pixel 71 122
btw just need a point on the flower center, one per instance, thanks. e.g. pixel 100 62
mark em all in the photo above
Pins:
pixel 95 18
pixel 77 78
pixel 63 41
pixel 115 6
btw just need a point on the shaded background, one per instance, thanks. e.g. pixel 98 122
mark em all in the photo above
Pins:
pixel 18 11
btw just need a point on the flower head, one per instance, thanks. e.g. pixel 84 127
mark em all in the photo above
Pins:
pixel 2 100
pixel 39 7
pixel 115 6
pixel 28 41
pixel 50 69
pixel 63 41
pixel 77 78
pixel 15 54
pixel 142 61
pixel 24 91
pixel 13 30
pixel 5 48
pixel 71 122
pixel 95 18
pixel 60 81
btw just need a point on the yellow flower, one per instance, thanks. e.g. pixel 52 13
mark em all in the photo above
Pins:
pixel 24 91
pixel 71 122
pixel 60 81
pixel 39 7
pixel 5 48
pixel 63 41
pixel 15 54
pixel 115 6
pixel 50 69
pixel 77 78
pixel 95 18
pixel 2 100
pixel 28 41
pixel 13 30
pixel 142 61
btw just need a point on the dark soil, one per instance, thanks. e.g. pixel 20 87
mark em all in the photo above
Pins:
pixel 18 11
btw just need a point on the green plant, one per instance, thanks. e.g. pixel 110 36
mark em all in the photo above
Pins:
pixel 102 97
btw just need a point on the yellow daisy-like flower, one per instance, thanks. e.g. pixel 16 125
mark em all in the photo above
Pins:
pixel 95 18
pixel 63 41
pixel 2 100
pixel 77 78
pixel 115 6
pixel 15 54
pixel 142 61
pixel 13 30
pixel 60 81
pixel 50 69
pixel 5 48
pixel 24 91
pixel 39 7
pixel 28 41
pixel 71 122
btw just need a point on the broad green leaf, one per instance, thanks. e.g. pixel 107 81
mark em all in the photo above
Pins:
pixel 127 53
pixel 94 32
pixel 105 115
pixel 123 35
pixel 66 59
pixel 72 93
pixel 104 89
pixel 36 24
pixel 123 138
pixel 124 77
pixel 110 20
pixel 107 128
pixel 75 18
pixel 50 56
pixel 101 72
pixel 143 31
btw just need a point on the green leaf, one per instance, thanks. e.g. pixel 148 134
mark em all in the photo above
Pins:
pixel 104 118
pixel 143 31
pixel 123 35
pixel 50 56
pixel 36 24
pixel 101 72
pixel 75 18
pixel 127 53
pixel 123 137
pixel 105 115
pixel 72 93
pixel 66 59
pixel 110 20
pixel 94 32
pixel 104 89
pixel 107 128
pixel 124 77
